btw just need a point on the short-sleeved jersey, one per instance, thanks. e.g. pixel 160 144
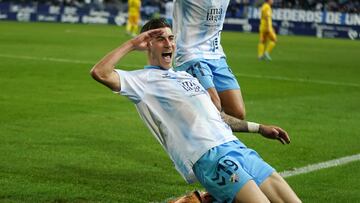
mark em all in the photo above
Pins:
pixel 197 26
pixel 265 21
pixel 134 7
pixel 169 7
pixel 179 113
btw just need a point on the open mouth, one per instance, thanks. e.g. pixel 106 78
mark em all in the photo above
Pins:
pixel 167 56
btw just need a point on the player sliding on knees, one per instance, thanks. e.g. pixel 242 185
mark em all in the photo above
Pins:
pixel 180 114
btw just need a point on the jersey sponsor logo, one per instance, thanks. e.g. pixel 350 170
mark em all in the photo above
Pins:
pixel 214 16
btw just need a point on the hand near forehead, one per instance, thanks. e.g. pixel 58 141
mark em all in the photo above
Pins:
pixel 141 42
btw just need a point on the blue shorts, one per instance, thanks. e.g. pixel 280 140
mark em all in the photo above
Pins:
pixel 225 169
pixel 211 73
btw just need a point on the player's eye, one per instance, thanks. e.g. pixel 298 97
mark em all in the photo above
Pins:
pixel 160 39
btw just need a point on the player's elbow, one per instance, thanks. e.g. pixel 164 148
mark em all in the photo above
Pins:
pixel 94 73
pixel 97 74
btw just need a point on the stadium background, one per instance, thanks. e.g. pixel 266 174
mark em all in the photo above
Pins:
pixel 64 138
pixel 291 17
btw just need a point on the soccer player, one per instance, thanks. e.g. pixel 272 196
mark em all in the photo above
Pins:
pixel 180 114
pixel 197 26
pixel 132 25
pixel 267 35
pixel 169 7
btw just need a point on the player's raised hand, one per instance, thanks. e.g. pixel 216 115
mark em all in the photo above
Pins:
pixel 274 132
pixel 141 41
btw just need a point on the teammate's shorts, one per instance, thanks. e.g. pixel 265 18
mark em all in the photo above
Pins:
pixel 225 169
pixel 211 73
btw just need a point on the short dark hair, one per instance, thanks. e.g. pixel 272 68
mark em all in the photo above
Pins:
pixel 154 24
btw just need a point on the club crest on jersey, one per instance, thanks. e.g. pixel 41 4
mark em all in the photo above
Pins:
pixel 214 16
pixel 189 85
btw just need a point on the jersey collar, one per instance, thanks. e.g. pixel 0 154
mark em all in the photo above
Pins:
pixel 155 67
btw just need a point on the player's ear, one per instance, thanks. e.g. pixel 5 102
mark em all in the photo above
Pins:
pixel 149 45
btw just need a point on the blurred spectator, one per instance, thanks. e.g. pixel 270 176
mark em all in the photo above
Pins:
pixel 237 8
pixel 347 6
pixel 319 6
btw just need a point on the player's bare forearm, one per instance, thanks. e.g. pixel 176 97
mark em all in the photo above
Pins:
pixel 235 124
pixel 103 71
pixel 106 65
pixel 271 132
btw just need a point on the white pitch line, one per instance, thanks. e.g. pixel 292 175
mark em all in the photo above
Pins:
pixel 324 82
pixel 241 75
pixel 321 165
pixel 57 60
pixel 318 166
pixel 45 59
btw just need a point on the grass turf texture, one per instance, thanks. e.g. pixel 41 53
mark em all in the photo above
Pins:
pixel 65 138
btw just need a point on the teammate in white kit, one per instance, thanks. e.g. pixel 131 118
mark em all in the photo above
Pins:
pixel 197 26
pixel 180 114
pixel 169 7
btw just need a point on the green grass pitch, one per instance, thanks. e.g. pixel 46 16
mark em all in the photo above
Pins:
pixel 66 138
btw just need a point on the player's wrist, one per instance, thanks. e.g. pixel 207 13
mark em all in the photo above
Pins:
pixel 253 127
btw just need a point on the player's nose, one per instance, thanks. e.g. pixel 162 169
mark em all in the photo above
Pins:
pixel 167 42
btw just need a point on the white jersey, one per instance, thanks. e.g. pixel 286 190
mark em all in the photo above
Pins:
pixel 179 113
pixel 197 26
pixel 169 7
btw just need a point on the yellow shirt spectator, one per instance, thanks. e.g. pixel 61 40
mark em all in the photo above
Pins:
pixel 266 21
pixel 132 25
pixel 267 35
pixel 134 7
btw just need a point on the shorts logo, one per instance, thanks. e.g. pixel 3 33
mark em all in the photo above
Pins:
pixel 234 178
pixel 220 179
pixel 226 168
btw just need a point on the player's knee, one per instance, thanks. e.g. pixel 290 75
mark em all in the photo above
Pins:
pixel 257 201
pixel 298 201
pixel 294 200
pixel 241 114
pixel 250 192
pixel 278 190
